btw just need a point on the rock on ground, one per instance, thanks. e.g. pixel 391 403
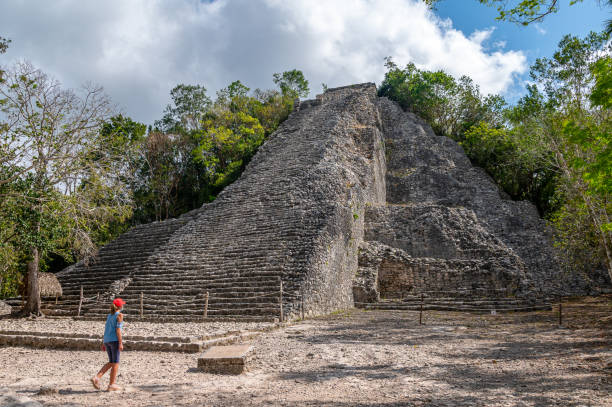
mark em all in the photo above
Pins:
pixel 9 398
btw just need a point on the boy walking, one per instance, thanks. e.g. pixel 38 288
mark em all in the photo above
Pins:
pixel 113 343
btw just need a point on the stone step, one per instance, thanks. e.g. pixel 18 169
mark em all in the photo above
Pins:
pixel 200 278
pixel 160 318
pixel 165 306
pixel 177 294
pixel 195 287
pixel 187 294
pixel 35 340
pixel 161 301
pixel 185 304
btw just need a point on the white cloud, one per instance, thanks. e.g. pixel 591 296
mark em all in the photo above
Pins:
pixel 139 49
pixel 538 27
pixel 500 44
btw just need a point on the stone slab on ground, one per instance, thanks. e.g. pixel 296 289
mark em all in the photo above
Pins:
pixel 9 398
pixel 230 359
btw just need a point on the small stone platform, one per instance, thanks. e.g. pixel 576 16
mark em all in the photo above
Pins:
pixel 230 359
pixel 77 334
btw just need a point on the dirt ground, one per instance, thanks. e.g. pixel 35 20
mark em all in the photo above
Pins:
pixel 357 358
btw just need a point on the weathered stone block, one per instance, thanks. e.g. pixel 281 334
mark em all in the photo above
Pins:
pixel 231 359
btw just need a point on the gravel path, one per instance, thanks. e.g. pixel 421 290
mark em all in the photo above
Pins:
pixel 353 359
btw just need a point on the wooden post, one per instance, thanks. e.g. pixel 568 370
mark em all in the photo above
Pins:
pixel 421 311
pixel 141 304
pixel 302 301
pixel 560 314
pixel 98 297
pixel 281 301
pixel 80 302
pixel 206 304
pixel 56 300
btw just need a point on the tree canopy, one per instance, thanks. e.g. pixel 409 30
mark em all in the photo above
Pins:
pixel 59 175
pixel 292 83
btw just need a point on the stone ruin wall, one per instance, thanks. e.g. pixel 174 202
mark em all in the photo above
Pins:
pixel 354 165
pixel 447 230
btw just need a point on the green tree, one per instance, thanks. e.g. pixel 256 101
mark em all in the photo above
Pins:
pixel 230 136
pixel 590 137
pixel 292 83
pixel 608 28
pixel 271 108
pixel 511 158
pixel 566 78
pixel 50 145
pixel 451 107
pixel 172 181
pixel 201 146
pixel 569 118
pixel 601 95
pixel 164 167
pixel 120 136
pixel 189 106
pixel 4 43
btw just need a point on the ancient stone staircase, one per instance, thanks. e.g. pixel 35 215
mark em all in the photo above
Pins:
pixel 125 253
pixel 250 292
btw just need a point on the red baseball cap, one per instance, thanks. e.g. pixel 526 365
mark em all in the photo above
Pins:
pixel 118 302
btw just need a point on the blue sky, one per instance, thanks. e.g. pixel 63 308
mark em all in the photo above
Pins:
pixel 538 39
pixel 138 50
pixel 535 40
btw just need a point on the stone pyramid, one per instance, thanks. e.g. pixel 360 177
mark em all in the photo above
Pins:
pixel 349 200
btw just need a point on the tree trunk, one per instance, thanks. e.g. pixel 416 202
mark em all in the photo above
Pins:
pixel 32 306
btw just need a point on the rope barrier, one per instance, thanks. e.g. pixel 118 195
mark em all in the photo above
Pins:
pixel 212 296
pixel 451 308
pixel 291 295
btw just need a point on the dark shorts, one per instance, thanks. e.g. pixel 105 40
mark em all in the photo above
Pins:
pixel 112 348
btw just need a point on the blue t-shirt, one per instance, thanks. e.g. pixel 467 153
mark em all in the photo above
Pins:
pixel 110 329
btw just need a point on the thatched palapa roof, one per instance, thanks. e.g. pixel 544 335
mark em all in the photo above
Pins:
pixel 49 285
